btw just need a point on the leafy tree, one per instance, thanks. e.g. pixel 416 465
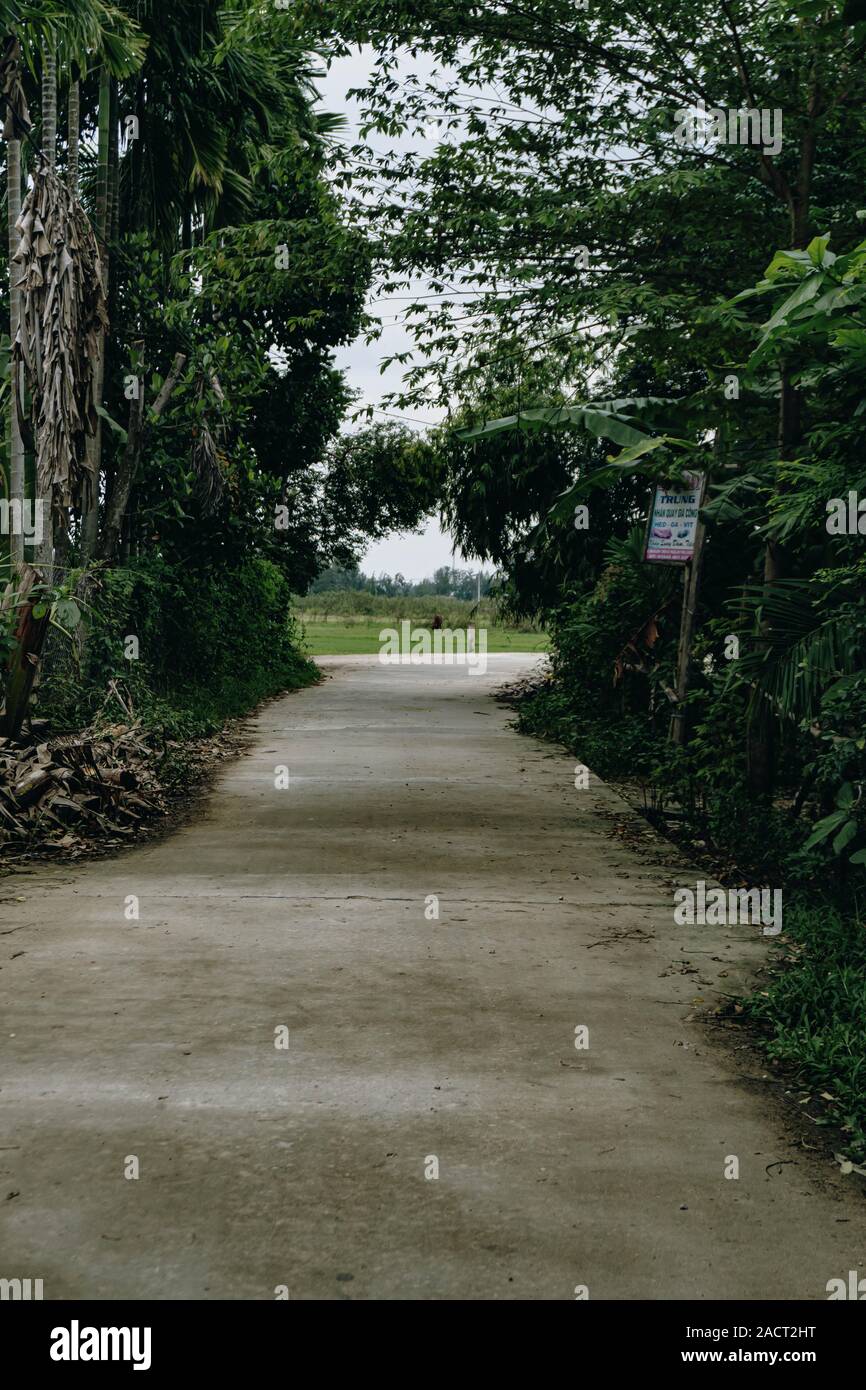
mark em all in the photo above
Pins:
pixel 234 274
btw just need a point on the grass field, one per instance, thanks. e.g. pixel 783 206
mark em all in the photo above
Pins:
pixel 336 638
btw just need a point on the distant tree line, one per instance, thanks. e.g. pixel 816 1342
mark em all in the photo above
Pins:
pixel 446 580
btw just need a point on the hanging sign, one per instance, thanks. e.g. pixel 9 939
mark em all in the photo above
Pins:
pixel 670 535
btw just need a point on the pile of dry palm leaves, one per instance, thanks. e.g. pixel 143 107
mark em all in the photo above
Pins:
pixel 66 793
pixel 101 788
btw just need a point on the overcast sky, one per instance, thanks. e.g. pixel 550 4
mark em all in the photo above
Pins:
pixel 413 556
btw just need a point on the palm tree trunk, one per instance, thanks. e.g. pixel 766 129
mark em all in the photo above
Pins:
pixel 90 520
pixel 49 109
pixel 45 551
pixel 62 540
pixel 112 221
pixel 16 443
pixel 73 136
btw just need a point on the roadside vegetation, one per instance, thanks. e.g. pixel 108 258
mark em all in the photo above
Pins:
pixel 617 292
pixel 626 286
pixel 188 474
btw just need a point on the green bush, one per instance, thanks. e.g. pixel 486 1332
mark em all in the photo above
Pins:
pixel 813 1013
pixel 211 645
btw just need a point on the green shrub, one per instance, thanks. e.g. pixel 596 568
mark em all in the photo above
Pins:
pixel 211 645
pixel 813 1013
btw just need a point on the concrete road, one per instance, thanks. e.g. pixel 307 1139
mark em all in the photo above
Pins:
pixel 415 1043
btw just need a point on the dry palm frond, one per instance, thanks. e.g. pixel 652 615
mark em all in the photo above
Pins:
pixel 16 117
pixel 62 311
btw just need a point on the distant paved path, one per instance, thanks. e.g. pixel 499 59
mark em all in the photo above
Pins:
pixel 409 1038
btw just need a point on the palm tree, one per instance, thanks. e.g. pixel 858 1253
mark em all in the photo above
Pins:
pixel 214 88
pixel 45 550
pixel 16 123
pixel 75 28
pixel 90 515
pixel 73 134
